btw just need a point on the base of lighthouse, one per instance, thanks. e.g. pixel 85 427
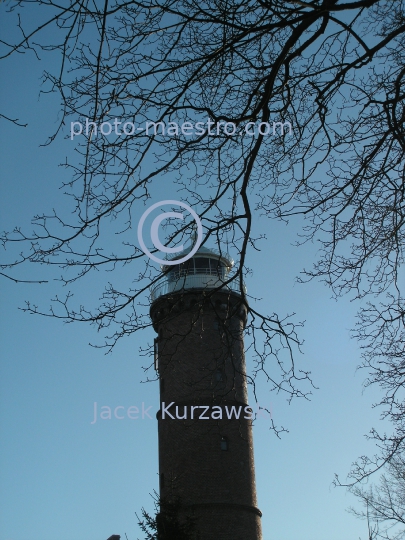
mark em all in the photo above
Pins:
pixel 215 486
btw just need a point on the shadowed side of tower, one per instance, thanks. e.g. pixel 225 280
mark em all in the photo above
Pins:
pixel 205 434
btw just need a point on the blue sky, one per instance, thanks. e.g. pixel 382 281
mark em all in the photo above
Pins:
pixel 64 478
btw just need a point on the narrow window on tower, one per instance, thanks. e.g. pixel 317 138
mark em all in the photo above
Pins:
pixel 156 353
pixel 218 324
pixel 224 443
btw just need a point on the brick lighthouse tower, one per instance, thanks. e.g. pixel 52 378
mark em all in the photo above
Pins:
pixel 205 424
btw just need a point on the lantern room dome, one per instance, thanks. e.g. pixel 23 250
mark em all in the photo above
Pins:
pixel 221 257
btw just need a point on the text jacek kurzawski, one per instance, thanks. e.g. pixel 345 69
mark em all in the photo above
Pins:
pixel 205 412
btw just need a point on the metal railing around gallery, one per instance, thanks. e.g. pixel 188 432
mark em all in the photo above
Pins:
pixel 200 278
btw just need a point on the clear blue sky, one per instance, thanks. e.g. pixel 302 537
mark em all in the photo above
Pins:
pixel 63 478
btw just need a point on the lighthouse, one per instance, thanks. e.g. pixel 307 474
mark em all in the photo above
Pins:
pixel 206 459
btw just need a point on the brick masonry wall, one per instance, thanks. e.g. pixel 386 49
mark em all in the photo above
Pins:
pixel 201 362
